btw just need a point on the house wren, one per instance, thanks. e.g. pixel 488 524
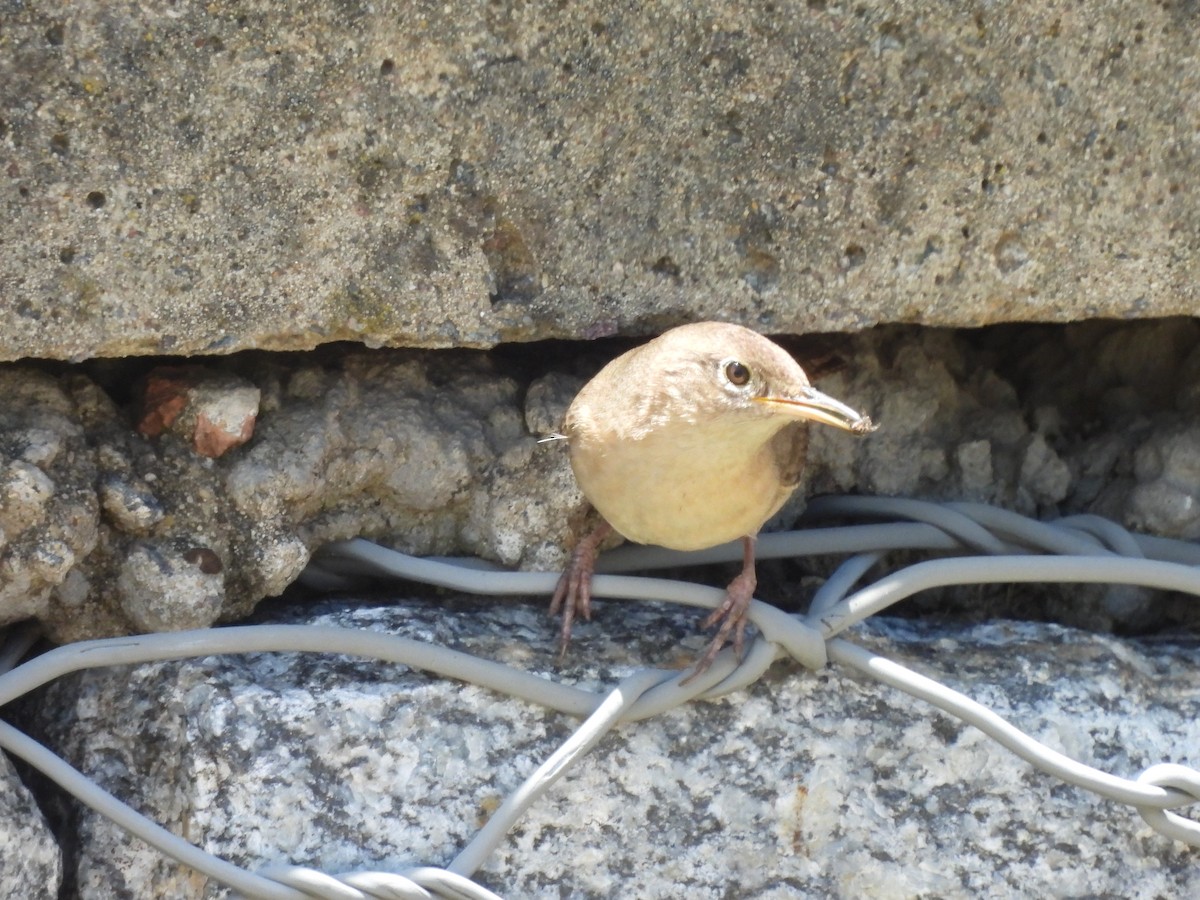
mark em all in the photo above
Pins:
pixel 691 440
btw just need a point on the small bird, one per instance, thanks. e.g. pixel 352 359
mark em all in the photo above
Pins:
pixel 691 440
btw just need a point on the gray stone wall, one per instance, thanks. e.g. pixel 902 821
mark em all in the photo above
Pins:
pixel 202 178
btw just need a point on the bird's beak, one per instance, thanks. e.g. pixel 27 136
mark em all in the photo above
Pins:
pixel 809 403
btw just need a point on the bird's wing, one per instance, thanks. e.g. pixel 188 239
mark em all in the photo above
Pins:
pixel 789 448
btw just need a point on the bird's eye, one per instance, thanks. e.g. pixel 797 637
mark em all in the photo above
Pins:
pixel 737 373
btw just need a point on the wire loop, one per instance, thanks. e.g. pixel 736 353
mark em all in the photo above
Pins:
pixel 1165 822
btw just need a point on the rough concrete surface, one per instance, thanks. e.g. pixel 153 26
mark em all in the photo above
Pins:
pixel 107 530
pixel 806 784
pixel 191 178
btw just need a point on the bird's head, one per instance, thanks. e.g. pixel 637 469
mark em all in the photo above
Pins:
pixel 736 373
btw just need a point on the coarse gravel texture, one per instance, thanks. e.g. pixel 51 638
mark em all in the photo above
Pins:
pixel 108 530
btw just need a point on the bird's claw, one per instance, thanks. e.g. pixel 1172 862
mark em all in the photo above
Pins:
pixel 573 593
pixel 733 615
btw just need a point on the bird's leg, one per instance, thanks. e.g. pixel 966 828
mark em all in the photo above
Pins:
pixel 733 610
pixel 573 595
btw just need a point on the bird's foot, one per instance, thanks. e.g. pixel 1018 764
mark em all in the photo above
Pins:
pixel 733 615
pixel 573 594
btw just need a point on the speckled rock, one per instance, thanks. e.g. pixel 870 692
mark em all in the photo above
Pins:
pixel 141 529
pixel 31 864
pixel 950 427
pixel 49 514
pixel 213 411
pixel 202 178
pixel 822 785
pixel 1167 496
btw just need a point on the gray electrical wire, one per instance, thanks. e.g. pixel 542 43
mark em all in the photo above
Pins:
pixel 1007 569
pixel 88 792
pixel 1016 549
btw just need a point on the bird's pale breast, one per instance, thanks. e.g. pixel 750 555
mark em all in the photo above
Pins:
pixel 685 487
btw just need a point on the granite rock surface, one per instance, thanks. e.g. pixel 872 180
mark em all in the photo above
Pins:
pixel 822 784
pixel 31 865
